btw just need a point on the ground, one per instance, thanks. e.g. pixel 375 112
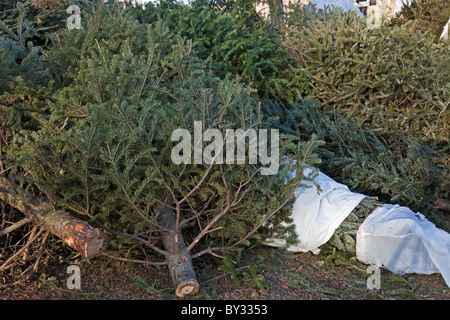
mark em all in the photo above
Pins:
pixel 262 273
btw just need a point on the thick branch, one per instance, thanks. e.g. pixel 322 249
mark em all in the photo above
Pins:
pixel 179 258
pixel 76 233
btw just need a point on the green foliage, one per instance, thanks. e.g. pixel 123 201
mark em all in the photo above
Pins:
pixel 20 60
pixel 344 238
pixel 26 32
pixel 91 126
pixel 238 41
pixel 101 145
pixel 426 16
pixel 391 86
pixel 24 69
pixel 228 266
pixel 254 278
pixel 7 4
pixel 387 165
pixel 390 78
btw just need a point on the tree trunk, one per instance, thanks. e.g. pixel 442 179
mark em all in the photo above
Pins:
pixel 76 233
pixel 179 259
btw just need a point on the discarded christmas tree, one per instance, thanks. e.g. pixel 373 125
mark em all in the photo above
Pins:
pixel 101 146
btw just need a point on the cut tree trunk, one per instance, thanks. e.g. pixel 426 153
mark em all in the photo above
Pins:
pixel 178 259
pixel 75 232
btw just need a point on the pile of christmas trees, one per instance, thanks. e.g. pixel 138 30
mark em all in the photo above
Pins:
pixel 88 118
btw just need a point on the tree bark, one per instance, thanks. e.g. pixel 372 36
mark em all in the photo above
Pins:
pixel 75 232
pixel 179 258
pixel 443 204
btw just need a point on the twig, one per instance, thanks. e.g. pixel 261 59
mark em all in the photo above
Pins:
pixel 222 275
pixel 153 263
pixel 210 251
pixel 41 252
pixel 33 232
pixel 6 264
pixel 146 242
pixel 264 221
pixel 14 226
pixel 205 230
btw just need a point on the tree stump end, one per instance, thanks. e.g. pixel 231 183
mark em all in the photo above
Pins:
pixel 186 289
